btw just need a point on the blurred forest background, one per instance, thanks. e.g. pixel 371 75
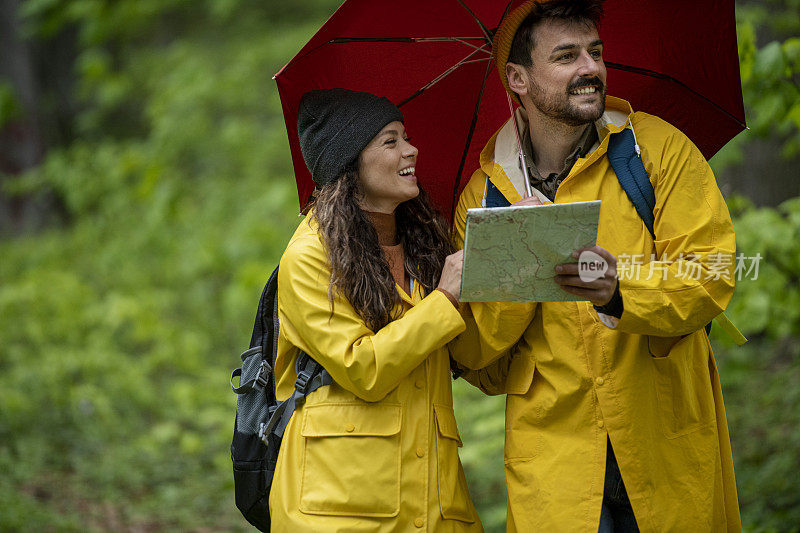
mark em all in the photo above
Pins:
pixel 146 191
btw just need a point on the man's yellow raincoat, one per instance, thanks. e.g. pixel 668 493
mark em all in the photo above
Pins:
pixel 650 384
pixel 378 449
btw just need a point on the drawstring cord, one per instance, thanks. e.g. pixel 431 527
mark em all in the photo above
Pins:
pixel 635 142
pixel 528 190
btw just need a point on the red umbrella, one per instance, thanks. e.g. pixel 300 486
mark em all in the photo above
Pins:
pixel 676 59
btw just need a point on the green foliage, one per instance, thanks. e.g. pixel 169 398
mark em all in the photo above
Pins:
pixel 761 383
pixel 119 329
pixel 481 421
pixel 770 73
pixel 767 300
pixel 761 380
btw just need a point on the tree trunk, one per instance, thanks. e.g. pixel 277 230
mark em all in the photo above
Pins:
pixel 22 142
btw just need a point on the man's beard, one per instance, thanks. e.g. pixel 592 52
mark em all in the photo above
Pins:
pixel 558 106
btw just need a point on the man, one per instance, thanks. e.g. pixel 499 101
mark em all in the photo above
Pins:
pixel 614 413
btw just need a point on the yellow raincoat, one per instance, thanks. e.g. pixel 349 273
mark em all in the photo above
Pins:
pixel 651 383
pixel 378 449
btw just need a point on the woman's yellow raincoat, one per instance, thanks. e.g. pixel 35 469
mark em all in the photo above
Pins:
pixel 651 383
pixel 378 449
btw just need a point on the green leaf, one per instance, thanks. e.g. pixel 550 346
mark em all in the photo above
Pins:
pixel 9 105
pixel 769 61
pixel 791 50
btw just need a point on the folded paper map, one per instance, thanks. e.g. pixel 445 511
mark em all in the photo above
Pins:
pixel 510 253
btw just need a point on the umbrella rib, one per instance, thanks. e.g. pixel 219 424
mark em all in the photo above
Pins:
pixel 462 40
pixel 338 40
pixel 479 48
pixel 486 33
pixel 659 75
pixel 443 75
pixel 508 8
pixel 449 71
pixel 469 136
pixel 476 61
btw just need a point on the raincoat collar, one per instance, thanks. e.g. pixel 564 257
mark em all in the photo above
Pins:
pixel 416 295
pixel 500 156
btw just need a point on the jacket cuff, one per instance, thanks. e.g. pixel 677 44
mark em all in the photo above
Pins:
pixel 611 312
pixel 450 297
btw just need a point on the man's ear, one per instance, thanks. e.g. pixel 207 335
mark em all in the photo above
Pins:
pixel 517 78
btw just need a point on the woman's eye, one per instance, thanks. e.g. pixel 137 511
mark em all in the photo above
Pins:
pixel 390 141
pixel 565 57
pixel 408 139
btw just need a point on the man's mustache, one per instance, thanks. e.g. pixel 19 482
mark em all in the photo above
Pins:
pixel 586 82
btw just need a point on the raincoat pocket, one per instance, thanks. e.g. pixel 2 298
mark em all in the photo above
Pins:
pixel 661 346
pixel 351 460
pixel 454 500
pixel 683 386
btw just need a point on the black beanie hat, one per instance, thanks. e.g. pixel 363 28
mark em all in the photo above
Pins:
pixel 334 125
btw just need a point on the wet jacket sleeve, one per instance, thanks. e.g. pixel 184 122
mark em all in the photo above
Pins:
pixel 491 379
pixel 690 277
pixel 492 329
pixel 368 364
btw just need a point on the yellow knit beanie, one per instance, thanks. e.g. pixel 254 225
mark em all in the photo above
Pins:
pixel 501 48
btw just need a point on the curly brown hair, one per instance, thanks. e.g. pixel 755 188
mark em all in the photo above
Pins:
pixel 359 269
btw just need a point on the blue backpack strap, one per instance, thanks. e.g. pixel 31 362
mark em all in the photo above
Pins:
pixel 494 198
pixel 632 176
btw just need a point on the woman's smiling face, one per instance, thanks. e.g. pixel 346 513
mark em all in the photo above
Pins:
pixel 386 170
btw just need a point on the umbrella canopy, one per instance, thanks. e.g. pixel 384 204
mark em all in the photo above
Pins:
pixel 433 59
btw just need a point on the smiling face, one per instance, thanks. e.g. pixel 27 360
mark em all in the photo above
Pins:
pixel 386 170
pixel 567 80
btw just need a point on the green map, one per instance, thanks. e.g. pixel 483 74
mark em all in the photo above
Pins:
pixel 510 253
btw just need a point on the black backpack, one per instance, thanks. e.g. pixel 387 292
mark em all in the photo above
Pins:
pixel 260 418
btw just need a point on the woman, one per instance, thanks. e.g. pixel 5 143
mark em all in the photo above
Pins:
pixel 367 289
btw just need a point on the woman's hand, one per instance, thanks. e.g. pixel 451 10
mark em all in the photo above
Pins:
pixel 450 279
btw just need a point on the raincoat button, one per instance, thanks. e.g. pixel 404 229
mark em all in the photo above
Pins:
pixel 420 452
pixel 419 522
pixel 419 384
pixel 600 423
pixel 350 428
pixel 599 381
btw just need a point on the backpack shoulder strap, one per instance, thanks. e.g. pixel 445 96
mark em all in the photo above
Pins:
pixel 629 168
pixel 632 176
pixel 310 376
pixel 265 329
pixel 493 196
pixel 623 154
